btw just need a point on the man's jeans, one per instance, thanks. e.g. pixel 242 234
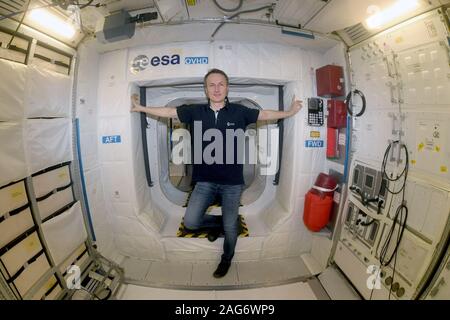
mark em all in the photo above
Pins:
pixel 202 197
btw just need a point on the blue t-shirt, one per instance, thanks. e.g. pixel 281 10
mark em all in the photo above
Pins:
pixel 226 169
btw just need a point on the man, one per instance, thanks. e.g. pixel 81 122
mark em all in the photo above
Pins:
pixel 220 178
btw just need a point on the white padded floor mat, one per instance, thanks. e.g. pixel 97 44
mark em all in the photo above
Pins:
pixel 198 275
pixel 292 291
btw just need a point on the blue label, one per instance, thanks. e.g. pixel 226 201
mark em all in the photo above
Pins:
pixel 111 139
pixel 314 143
pixel 196 60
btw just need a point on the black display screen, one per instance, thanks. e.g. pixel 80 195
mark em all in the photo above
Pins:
pixel 383 188
pixel 356 176
pixel 313 104
pixel 369 181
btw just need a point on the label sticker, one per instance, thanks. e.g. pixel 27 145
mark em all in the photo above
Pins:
pixel 314 143
pixel 420 146
pixel 17 192
pixel 111 139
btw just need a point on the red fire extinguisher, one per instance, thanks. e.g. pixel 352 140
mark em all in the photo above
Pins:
pixel 319 202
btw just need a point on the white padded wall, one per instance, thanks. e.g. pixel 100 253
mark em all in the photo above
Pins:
pixel 113 99
pixel 251 60
pixel 87 104
pixel 286 191
pixel 112 127
pixel 47 93
pixel 126 194
pixel 48 142
pixel 13 163
pixel 12 91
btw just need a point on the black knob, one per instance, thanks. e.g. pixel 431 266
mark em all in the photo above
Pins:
pixel 388 281
pixel 400 292
pixel 395 286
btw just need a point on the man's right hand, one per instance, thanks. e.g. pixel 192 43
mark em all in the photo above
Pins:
pixel 135 105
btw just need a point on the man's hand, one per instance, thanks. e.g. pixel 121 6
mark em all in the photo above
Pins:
pixel 135 105
pixel 296 106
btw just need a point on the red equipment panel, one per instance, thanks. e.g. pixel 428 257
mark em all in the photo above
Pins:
pixel 337 114
pixel 330 81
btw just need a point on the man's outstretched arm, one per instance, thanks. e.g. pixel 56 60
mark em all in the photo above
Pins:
pixel 163 112
pixel 296 105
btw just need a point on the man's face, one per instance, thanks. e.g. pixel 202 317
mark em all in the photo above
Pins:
pixel 216 87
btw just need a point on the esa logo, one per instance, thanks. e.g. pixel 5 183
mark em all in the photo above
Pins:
pixel 141 62
pixel 165 60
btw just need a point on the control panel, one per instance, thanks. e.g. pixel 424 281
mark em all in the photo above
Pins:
pixel 367 249
pixel 370 186
pixel 315 112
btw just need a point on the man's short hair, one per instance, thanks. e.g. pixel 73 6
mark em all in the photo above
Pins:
pixel 218 71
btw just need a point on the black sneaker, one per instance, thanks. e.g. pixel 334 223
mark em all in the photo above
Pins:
pixel 222 269
pixel 213 235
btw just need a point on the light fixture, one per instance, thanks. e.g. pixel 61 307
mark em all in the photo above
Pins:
pixel 53 23
pixel 396 10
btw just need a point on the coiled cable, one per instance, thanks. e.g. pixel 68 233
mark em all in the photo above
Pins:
pixel 348 102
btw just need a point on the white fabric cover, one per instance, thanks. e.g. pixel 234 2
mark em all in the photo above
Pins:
pixel 14 226
pixel 48 181
pixel 55 202
pixel 49 142
pixel 47 93
pixel 12 197
pixel 12 153
pixel 65 233
pixel 32 274
pixel 16 257
pixel 12 91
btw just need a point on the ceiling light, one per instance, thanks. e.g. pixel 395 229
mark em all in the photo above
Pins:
pixel 384 16
pixel 53 23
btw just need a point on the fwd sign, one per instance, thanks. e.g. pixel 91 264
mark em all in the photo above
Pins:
pixel 314 143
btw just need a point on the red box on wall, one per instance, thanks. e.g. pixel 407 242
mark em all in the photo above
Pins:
pixel 330 81
pixel 337 114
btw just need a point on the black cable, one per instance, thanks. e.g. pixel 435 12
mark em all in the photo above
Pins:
pixel 402 225
pixel 399 236
pixel 229 10
pixel 85 5
pixel 366 224
pixel 237 14
pixel 348 101
pixel 18 26
pixel 404 172
pixel 401 216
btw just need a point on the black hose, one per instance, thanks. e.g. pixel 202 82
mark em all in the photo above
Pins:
pixel 348 102
pixel 229 10
pixel 86 4
pixel 237 14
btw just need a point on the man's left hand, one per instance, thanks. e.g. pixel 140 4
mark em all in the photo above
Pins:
pixel 296 105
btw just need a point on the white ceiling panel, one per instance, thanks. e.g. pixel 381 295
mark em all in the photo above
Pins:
pixel 295 12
